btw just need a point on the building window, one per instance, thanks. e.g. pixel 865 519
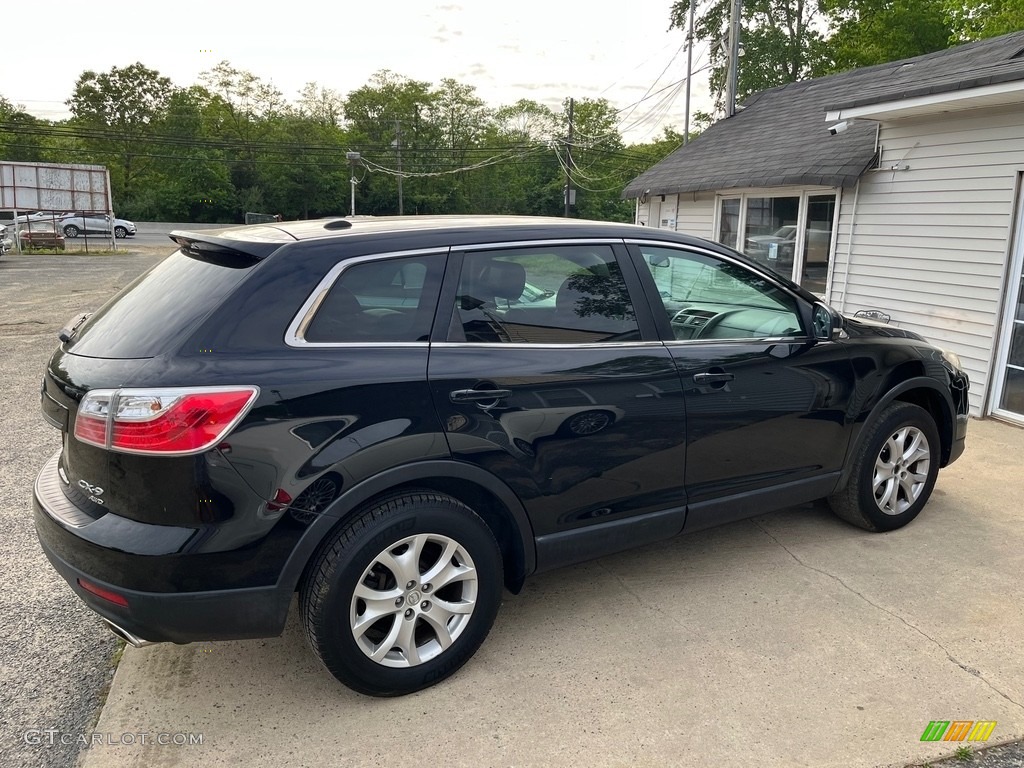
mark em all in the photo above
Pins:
pixel 729 222
pixel 789 234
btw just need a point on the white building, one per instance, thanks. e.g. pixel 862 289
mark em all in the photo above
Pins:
pixel 895 188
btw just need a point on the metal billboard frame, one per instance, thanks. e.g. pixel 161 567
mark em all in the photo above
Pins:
pixel 55 187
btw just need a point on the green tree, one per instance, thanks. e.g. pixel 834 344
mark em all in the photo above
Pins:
pixel 980 19
pixel 321 105
pixel 781 42
pixel 243 110
pixel 525 122
pixel 598 165
pixel 528 180
pixel 191 181
pixel 867 32
pixel 22 136
pixel 388 109
pixel 117 111
pixel 308 175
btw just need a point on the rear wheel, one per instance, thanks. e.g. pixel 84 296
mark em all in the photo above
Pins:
pixel 894 470
pixel 400 597
pixel 71 231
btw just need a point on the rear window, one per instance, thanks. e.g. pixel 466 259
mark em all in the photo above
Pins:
pixel 152 314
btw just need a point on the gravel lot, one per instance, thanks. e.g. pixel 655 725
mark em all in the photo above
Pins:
pixel 56 659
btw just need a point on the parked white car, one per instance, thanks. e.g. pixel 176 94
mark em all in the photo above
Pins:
pixel 81 223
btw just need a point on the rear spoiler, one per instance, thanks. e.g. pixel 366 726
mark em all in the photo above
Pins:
pixel 242 246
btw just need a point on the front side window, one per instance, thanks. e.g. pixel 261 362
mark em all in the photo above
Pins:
pixel 704 297
pixel 573 294
pixel 385 300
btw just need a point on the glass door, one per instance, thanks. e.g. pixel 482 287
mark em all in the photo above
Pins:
pixel 1009 385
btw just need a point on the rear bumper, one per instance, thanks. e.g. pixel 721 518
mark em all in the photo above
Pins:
pixel 184 617
pixel 94 551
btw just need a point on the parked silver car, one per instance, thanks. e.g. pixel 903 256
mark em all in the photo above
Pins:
pixel 82 223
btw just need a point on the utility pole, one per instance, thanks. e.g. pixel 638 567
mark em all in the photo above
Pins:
pixel 398 150
pixel 689 71
pixel 568 162
pixel 353 158
pixel 734 55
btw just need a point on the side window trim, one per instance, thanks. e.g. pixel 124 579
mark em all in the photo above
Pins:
pixel 654 299
pixel 445 315
pixel 295 334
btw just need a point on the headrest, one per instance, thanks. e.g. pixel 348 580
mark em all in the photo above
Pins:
pixel 502 279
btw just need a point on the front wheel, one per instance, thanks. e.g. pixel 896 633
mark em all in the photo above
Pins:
pixel 120 233
pixel 894 470
pixel 71 231
pixel 401 596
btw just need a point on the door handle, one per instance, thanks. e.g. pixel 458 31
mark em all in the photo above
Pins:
pixel 712 378
pixel 477 395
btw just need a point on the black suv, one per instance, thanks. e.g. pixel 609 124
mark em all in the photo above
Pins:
pixel 398 417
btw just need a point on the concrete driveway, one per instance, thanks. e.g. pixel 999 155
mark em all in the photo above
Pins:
pixel 789 640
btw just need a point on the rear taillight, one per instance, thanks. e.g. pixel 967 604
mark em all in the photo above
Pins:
pixel 173 421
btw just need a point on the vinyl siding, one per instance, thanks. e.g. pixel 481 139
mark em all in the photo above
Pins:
pixel 931 242
pixel 693 214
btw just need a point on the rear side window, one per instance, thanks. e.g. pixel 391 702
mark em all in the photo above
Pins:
pixel 567 294
pixel 154 313
pixel 380 300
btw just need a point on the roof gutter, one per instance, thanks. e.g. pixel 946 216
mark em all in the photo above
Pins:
pixel 997 94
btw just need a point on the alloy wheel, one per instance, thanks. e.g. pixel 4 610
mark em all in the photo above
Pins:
pixel 414 600
pixel 901 470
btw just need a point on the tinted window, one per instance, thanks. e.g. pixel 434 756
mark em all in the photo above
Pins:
pixel 157 309
pixel 554 295
pixel 385 300
pixel 709 298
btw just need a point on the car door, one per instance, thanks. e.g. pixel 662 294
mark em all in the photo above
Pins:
pixel 574 403
pixel 97 224
pixel 765 402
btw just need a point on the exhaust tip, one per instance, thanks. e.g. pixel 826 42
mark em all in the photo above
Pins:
pixel 133 640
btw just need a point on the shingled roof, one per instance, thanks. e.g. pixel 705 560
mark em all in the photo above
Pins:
pixel 780 136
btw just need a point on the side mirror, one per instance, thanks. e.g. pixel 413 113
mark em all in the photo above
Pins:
pixel 657 260
pixel 828 324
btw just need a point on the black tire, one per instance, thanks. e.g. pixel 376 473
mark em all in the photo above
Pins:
pixel 120 232
pixel 71 231
pixel 351 558
pixel 889 498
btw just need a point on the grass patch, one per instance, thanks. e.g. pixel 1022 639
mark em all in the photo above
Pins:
pixel 964 753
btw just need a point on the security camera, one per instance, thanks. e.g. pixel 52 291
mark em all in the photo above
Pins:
pixel 839 127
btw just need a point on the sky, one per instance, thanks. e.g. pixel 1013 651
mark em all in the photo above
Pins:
pixel 526 49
